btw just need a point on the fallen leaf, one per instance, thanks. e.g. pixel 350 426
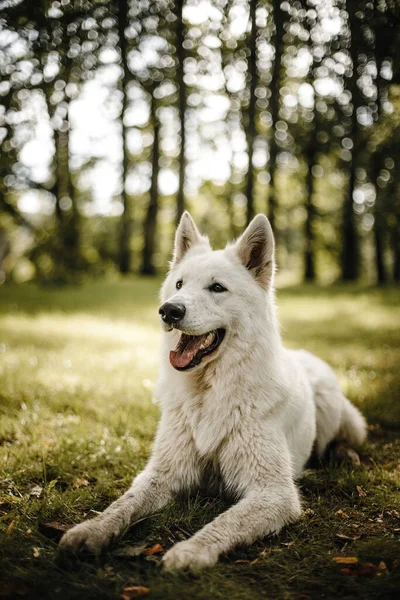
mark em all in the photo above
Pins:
pixel 130 551
pixel 36 491
pixel 342 536
pixel 53 529
pixel 382 568
pixel 347 571
pixel 12 525
pixel 367 569
pixel 360 491
pixel 342 514
pixel 15 589
pixel 345 560
pixel 36 552
pixel 241 560
pixel 28 531
pixel 79 482
pixel 134 591
pixel 156 549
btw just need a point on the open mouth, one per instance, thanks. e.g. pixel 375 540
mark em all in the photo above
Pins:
pixel 191 349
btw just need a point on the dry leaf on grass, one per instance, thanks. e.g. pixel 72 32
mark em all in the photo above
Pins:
pixel 12 525
pixel 36 552
pixel 351 538
pixel 36 491
pixel 360 491
pixel 156 549
pixel 345 560
pixel 241 560
pixel 79 482
pixel 342 514
pixel 15 589
pixel 365 569
pixel 134 591
pixel 53 530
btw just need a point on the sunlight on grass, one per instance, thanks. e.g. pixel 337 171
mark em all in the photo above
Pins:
pixel 78 367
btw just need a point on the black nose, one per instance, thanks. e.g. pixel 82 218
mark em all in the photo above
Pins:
pixel 172 313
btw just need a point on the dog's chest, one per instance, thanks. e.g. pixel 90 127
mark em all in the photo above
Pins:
pixel 211 421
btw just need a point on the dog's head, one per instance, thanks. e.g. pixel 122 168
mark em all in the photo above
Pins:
pixel 211 296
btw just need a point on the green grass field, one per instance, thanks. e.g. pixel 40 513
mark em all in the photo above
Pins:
pixel 77 368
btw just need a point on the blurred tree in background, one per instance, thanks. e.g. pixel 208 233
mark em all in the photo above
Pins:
pixel 115 116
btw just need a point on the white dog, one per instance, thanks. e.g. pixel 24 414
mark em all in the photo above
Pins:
pixel 237 407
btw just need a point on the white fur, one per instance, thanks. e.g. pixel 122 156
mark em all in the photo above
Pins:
pixel 247 417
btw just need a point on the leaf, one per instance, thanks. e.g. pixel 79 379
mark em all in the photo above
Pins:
pixel 342 536
pixel 241 560
pixel 12 525
pixel 53 529
pixel 36 491
pixel 360 491
pixel 15 589
pixel 342 514
pixel 79 482
pixel 36 552
pixel 367 569
pixel 156 549
pixel 130 551
pixel 345 560
pixel 134 591
pixel 51 485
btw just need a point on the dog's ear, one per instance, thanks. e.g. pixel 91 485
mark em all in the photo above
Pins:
pixel 186 237
pixel 255 249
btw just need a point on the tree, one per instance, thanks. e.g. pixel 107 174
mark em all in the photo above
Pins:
pixel 126 217
pixel 180 73
pixel 251 112
pixel 152 209
pixel 350 256
pixel 278 19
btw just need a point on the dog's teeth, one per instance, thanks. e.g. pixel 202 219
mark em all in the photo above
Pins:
pixel 209 339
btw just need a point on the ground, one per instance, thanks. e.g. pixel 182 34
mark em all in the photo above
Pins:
pixel 77 368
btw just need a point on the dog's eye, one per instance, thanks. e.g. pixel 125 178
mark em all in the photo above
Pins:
pixel 217 287
pixel 179 284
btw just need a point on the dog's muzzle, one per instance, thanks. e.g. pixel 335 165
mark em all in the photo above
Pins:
pixel 172 313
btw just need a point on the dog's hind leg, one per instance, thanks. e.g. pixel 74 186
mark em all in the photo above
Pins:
pixel 340 426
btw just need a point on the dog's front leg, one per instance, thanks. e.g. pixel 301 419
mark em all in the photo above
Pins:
pixel 269 502
pixel 149 493
pixel 172 468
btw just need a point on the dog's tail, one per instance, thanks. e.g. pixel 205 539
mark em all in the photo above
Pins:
pixel 353 426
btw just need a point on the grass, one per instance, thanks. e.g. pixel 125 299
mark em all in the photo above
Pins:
pixel 77 367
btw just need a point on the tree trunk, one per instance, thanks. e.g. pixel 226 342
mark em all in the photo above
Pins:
pixel 350 259
pixel 66 208
pixel 379 217
pixel 309 231
pixel 151 217
pixel 396 251
pixel 180 54
pixel 126 217
pixel 251 113
pixel 274 110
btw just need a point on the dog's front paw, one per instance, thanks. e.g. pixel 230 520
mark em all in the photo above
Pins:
pixel 189 555
pixel 91 536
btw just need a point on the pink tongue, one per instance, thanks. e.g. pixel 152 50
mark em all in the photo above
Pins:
pixel 186 350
